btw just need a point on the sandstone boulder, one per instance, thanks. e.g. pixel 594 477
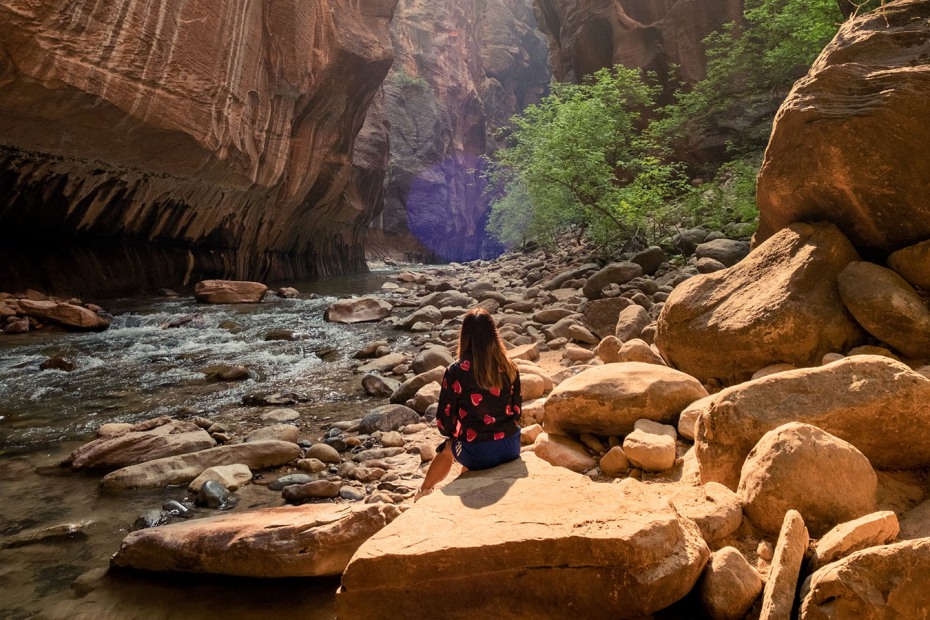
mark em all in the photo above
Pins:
pixel 873 530
pixel 649 450
pixel 384 363
pixel 232 477
pixel 140 443
pixel 556 539
pixel 184 468
pixel 913 264
pixel 729 586
pixel 387 418
pixel 68 315
pixel 290 541
pixel 778 596
pixel 359 310
pixel 275 432
pixel 600 316
pixel 714 508
pixel 615 273
pixel 609 399
pixel 229 292
pixel 410 387
pixel 872 402
pixel 841 147
pixel 631 322
pixel 430 358
pixel 878 582
pixel 887 307
pixel 779 304
pixel 800 466
pixel 563 452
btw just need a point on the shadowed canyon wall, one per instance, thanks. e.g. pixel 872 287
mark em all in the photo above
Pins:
pixel 462 69
pixel 587 35
pixel 142 143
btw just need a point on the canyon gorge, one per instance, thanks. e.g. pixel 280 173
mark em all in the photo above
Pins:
pixel 155 144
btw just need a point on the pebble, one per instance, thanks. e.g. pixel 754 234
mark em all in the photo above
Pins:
pixel 392 439
pixel 312 465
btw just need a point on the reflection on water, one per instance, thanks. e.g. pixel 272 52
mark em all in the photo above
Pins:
pixel 137 370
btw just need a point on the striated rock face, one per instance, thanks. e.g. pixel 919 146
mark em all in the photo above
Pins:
pixel 587 35
pixel 213 138
pixel 462 69
pixel 846 142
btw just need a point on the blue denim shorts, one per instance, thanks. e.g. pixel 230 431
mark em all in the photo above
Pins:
pixel 486 454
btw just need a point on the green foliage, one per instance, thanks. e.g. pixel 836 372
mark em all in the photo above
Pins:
pixel 404 80
pixel 580 157
pixel 730 198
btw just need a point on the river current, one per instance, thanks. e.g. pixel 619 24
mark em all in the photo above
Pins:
pixel 137 370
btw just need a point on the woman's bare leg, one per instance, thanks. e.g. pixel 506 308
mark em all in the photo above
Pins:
pixel 439 468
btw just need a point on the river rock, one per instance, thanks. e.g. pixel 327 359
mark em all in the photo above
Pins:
pixel 631 322
pixel 725 251
pixel 563 452
pixel 232 477
pixel 614 463
pixel 384 363
pixel 289 479
pixel 729 585
pixel 323 452
pixel 608 399
pixel 842 143
pixel 649 259
pixel 887 307
pixel 426 314
pixel 291 541
pixel 913 264
pixel 615 273
pixel 529 352
pixel 276 432
pixel 873 530
pixel 800 466
pixel 280 415
pixel 601 315
pixel 778 596
pixel 539 514
pixel 66 363
pixel 779 304
pixel 140 443
pixel 872 402
pixel 410 387
pixel 184 468
pixel 358 310
pixel 430 358
pixel 879 582
pixel 229 292
pixel 316 489
pixel 687 421
pixel 68 315
pixel 392 439
pixel 649 451
pixel 637 350
pixel 387 418
pixel 18 326
pixel 213 494
pixel 375 385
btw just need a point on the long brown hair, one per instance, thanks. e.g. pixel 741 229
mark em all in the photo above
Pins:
pixel 479 339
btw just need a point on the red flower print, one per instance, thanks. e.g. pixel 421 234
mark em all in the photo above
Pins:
pixel 517 409
pixel 462 413
pixel 470 434
pixel 448 409
pixel 457 387
pixel 496 391
pixel 476 399
pixel 465 365
pixel 489 420
pixel 509 410
pixel 498 436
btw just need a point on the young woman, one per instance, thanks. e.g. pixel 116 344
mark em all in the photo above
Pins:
pixel 479 404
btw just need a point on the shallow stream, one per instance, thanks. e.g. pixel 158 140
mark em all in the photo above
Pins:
pixel 135 371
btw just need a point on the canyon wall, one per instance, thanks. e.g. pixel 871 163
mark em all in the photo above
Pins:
pixel 198 138
pixel 587 35
pixel 462 69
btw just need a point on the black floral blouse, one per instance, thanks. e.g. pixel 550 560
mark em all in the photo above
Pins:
pixel 472 413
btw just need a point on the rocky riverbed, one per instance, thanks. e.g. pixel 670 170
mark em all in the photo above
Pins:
pixel 717 454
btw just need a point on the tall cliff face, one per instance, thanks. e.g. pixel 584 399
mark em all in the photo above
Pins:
pixel 587 35
pixel 213 137
pixel 462 69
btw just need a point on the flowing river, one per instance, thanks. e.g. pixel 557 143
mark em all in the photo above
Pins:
pixel 137 370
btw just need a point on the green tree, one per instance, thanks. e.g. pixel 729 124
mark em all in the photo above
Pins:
pixel 580 158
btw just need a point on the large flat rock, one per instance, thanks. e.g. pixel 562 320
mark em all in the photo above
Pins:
pixel 183 468
pixel 291 541
pixel 527 540
pixel 139 444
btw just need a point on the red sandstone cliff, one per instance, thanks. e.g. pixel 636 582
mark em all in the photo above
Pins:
pixel 462 69
pixel 214 136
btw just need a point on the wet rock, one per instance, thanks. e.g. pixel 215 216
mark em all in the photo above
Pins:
pixel 140 443
pixel 318 489
pixel 287 292
pixel 288 480
pixel 358 310
pixel 68 315
pixel 66 363
pixel 372 349
pixel 375 385
pixel 290 541
pixel 213 494
pixel 229 292
pixel 275 399
pixel 48 534
pixel 151 518
pixel 227 373
pixel 351 494
pixel 383 363
pixel 184 468
pixel 231 477
pixel 281 334
pixel 17 326
pixel 339 444
pixel 178 509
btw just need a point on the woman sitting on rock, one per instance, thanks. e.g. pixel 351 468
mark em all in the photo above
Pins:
pixel 479 404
